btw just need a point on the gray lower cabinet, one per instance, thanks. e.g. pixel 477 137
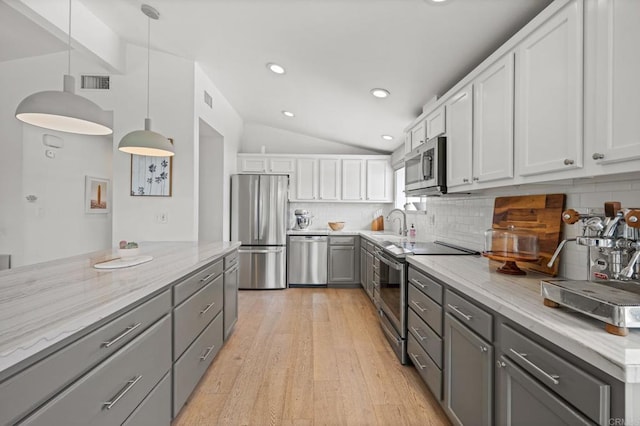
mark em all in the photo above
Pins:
pixel 363 266
pixel 343 261
pixel 523 401
pixel 109 393
pixel 155 410
pixel 468 372
pixel 369 278
pixel 231 276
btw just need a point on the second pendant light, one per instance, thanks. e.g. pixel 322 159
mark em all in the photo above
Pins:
pixel 147 142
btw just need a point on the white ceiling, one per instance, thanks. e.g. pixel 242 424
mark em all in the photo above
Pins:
pixel 334 52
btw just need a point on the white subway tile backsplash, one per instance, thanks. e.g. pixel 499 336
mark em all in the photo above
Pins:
pixel 357 216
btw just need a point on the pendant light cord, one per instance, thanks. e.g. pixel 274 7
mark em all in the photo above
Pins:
pixel 148 60
pixel 69 43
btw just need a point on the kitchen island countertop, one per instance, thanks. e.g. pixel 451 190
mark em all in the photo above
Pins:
pixel 44 306
pixel 518 299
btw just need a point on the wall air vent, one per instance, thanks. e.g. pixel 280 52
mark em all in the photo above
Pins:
pixel 94 82
pixel 208 99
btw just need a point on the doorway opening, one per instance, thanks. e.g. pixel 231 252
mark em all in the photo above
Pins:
pixel 211 183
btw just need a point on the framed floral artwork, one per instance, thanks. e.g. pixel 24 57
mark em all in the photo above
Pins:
pixel 96 195
pixel 151 176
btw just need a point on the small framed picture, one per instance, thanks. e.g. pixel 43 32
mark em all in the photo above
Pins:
pixel 151 176
pixel 97 194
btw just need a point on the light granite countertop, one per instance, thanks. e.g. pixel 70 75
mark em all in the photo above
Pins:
pixel 518 299
pixel 45 305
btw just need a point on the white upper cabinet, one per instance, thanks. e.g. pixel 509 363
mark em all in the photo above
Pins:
pixel 282 165
pixel 306 179
pixel 379 180
pixel 257 163
pixel 418 134
pixel 329 179
pixel 548 123
pixel 493 122
pixel 253 165
pixel 617 93
pixel 435 123
pixel 353 180
pixel 459 110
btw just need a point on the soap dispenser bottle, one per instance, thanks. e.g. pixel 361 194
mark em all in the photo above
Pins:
pixel 412 234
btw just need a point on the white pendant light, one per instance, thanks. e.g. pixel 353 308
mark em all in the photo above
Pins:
pixel 147 142
pixel 64 111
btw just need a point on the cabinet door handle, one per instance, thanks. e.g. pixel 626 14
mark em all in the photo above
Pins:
pixel 465 180
pixel 413 280
pixel 206 278
pixel 415 359
pixel 420 336
pixel 417 305
pixel 522 356
pixel 568 162
pixel 476 179
pixel 597 156
pixel 207 353
pixel 206 308
pixel 130 384
pixel 459 312
pixel 121 336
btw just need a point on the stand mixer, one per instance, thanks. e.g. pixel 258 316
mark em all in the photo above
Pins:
pixel 303 219
pixel 612 293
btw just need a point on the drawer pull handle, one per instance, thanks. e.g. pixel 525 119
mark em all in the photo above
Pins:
pixel 459 312
pixel 417 361
pixel 122 335
pixel 130 384
pixel 413 280
pixel 206 278
pixel 207 353
pixel 552 377
pixel 417 331
pixel 417 305
pixel 206 308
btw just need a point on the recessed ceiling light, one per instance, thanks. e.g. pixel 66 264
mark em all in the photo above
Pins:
pixel 275 68
pixel 288 114
pixel 380 93
pixel 387 137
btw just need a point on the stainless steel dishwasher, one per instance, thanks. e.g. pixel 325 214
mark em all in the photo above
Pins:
pixel 307 260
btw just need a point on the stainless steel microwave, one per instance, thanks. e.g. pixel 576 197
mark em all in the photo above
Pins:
pixel 425 168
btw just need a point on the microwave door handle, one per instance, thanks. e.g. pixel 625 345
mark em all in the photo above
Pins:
pixel 424 173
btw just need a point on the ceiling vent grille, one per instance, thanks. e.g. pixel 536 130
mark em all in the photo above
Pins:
pixel 95 82
pixel 208 99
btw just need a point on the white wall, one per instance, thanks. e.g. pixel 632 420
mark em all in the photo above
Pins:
pixel 225 121
pixel 462 220
pixel 210 183
pixel 279 141
pixel 47 229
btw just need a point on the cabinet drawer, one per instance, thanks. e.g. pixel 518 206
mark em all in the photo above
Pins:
pixel 472 316
pixel 188 370
pixel 190 318
pixel 426 309
pixel 426 337
pixel 123 380
pixel 42 380
pixel 427 369
pixel 583 391
pixel 342 241
pixel 231 260
pixel 195 282
pixel 426 285
pixel 156 408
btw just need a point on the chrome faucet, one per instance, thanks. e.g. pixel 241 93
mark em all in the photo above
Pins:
pixel 402 231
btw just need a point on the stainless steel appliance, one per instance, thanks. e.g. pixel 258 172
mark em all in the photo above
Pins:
pixel 612 292
pixel 303 219
pixel 307 260
pixel 425 168
pixel 390 272
pixel 259 209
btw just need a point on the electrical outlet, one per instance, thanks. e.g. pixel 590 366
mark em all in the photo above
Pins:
pixel 162 217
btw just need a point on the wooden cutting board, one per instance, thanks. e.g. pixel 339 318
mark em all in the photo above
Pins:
pixel 541 214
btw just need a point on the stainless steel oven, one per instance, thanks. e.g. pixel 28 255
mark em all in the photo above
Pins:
pixel 392 289
pixel 425 172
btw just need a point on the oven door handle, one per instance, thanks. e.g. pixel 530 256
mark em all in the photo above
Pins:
pixel 390 333
pixel 393 265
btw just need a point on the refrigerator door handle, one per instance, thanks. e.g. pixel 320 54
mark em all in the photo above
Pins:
pixel 256 200
pixel 260 209
pixel 261 251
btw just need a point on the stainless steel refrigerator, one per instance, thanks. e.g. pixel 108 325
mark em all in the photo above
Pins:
pixel 259 209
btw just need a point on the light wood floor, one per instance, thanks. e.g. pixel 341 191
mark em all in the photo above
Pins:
pixel 306 356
